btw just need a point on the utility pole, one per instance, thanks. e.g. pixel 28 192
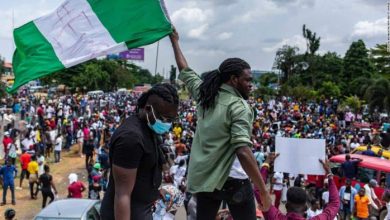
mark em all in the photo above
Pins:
pixel 388 26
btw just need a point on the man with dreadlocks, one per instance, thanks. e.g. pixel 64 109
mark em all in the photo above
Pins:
pixel 221 157
pixel 135 157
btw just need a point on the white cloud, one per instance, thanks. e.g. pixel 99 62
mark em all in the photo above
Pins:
pixel 198 32
pixel 189 15
pixel 296 40
pixel 225 35
pixel 370 29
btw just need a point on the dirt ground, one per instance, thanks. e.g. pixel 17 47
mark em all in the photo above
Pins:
pixel 27 208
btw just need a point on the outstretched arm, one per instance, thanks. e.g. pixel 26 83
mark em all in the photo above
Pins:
pixel 180 59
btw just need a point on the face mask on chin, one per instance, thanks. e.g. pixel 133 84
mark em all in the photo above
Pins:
pixel 159 127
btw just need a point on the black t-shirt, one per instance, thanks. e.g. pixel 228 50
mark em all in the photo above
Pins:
pixel 134 145
pixel 45 180
pixel 88 147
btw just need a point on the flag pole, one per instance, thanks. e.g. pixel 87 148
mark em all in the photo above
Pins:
pixel 155 68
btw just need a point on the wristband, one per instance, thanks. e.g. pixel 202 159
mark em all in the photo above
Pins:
pixel 329 175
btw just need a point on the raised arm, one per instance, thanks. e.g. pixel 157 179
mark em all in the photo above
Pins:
pixel 180 59
pixel 189 77
pixel 333 206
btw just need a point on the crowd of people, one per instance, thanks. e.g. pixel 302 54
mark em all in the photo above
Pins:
pixel 38 130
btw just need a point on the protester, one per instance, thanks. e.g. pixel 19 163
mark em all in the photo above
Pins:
pixel 75 188
pixel 375 203
pixel 47 186
pixel 314 210
pixel 296 202
pixel 386 199
pixel 25 159
pixel 33 170
pixel 227 140
pixel 58 148
pixel 9 214
pixel 349 167
pixel 8 173
pixel 135 158
pixel 347 197
pixel 362 203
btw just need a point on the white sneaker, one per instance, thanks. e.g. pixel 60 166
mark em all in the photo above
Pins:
pixel 18 188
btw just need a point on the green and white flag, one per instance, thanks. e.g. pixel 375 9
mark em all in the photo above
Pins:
pixel 81 30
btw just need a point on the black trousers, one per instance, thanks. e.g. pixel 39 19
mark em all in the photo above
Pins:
pixel 47 193
pixel 238 194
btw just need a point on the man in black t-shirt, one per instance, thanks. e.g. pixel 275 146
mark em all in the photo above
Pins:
pixel 46 182
pixel 136 159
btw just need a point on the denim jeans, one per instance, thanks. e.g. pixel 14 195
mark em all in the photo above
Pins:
pixel 5 189
pixel 239 197
pixel 57 156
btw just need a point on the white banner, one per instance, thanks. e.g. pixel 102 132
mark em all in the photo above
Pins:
pixel 300 156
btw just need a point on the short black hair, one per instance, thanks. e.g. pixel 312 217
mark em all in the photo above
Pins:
pixel 163 90
pixel 297 196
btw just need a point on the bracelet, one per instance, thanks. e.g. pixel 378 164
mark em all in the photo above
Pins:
pixel 329 175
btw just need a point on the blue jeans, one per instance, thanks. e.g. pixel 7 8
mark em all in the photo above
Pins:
pixel 5 188
pixel 57 156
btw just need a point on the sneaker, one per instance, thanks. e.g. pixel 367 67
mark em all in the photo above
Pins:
pixel 18 188
pixel 13 203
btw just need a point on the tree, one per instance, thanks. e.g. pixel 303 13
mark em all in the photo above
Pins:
pixel 380 57
pixel 312 41
pixel 172 75
pixel 360 85
pixel 285 61
pixel 354 102
pixel 329 89
pixel 357 62
pixel 267 78
pixel 378 95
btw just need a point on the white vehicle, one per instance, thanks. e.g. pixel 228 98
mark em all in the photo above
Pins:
pixel 95 93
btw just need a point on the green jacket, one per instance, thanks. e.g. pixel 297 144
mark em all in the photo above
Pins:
pixel 223 128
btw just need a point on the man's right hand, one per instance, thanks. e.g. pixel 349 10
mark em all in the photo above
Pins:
pixel 326 166
pixel 174 36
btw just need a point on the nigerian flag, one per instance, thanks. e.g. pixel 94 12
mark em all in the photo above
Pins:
pixel 80 30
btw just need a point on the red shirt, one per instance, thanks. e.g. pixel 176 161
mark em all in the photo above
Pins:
pixel 75 189
pixel 6 141
pixel 24 160
pixel 40 111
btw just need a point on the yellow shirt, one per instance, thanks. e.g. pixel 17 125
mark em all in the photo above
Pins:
pixel 33 167
pixel 362 206
pixel 177 131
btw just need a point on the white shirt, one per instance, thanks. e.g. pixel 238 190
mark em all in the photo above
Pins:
pixel 325 197
pixel 371 196
pixel 278 185
pixel 310 213
pixel 388 211
pixel 237 172
pixel 41 169
pixel 354 145
pixel 58 146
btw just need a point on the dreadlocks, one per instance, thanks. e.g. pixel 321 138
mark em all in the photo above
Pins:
pixel 163 90
pixel 213 80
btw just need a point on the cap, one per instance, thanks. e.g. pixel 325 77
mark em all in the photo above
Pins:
pixel 97 166
pixel 373 183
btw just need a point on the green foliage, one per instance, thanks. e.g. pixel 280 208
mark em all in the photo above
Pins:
pixel 285 61
pixel 353 102
pixel 267 78
pixel 312 41
pixel 299 92
pixel 104 75
pixel 172 75
pixel 357 62
pixel 380 57
pixel 329 90
pixel 378 95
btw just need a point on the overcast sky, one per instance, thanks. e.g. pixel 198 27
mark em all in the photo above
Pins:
pixel 213 30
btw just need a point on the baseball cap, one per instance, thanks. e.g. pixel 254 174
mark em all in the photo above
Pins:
pixel 373 183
